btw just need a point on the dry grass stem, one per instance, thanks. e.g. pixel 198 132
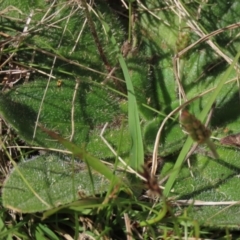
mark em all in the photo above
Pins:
pixel 73 109
pixel 128 226
pixel 156 144
pixel 49 79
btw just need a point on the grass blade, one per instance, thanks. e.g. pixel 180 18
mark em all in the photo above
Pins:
pixel 93 162
pixel 137 152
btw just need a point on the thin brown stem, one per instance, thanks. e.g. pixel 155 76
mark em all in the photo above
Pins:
pixel 95 36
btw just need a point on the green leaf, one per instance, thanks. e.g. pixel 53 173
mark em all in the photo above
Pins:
pixel 215 184
pixel 80 118
pixel 55 182
pixel 137 152
pixel 48 232
pixel 188 143
pixel 91 161
pixel 149 75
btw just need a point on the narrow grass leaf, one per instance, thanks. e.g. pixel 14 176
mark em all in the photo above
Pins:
pixel 93 162
pixel 137 152
pixel 48 232
pixel 79 206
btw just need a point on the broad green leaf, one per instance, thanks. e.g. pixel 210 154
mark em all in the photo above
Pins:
pixel 79 119
pixel 55 182
pixel 215 184
pixel 91 111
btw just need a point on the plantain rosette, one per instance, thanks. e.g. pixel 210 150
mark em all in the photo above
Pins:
pixel 81 97
pixel 83 74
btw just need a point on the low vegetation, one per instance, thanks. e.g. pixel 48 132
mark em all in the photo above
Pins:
pixel 119 119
